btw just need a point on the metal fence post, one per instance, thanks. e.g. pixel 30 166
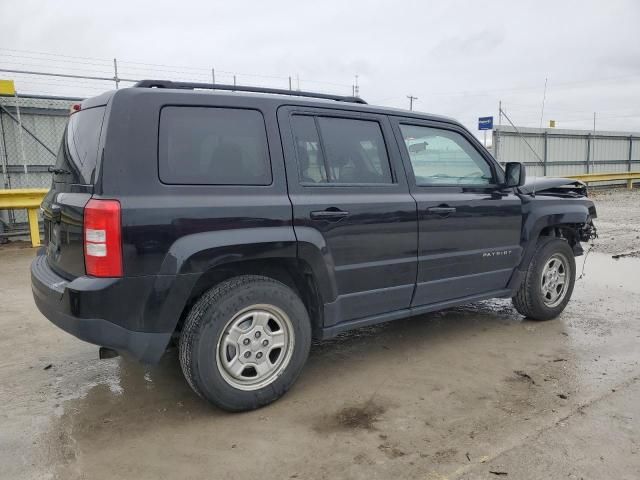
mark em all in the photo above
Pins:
pixel 630 153
pixel 544 159
pixel 5 156
pixel 588 151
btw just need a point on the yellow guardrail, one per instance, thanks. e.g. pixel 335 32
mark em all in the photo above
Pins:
pixel 607 177
pixel 29 199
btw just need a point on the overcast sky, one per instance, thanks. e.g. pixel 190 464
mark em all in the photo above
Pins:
pixel 458 57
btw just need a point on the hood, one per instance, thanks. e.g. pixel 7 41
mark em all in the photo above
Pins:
pixel 554 186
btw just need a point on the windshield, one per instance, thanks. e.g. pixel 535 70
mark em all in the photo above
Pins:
pixel 78 155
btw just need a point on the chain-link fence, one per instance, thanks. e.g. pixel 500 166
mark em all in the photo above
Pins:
pixel 30 131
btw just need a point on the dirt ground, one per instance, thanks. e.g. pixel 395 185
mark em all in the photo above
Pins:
pixel 472 392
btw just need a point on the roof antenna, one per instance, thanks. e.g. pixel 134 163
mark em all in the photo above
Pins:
pixel 502 112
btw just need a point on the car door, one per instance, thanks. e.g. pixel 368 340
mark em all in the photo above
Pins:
pixel 468 226
pixel 351 204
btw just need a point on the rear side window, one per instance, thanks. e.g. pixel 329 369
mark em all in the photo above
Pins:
pixel 78 155
pixel 213 146
pixel 355 150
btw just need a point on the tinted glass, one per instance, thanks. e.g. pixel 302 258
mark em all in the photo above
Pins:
pixel 311 166
pixel 355 151
pixel 78 152
pixel 215 146
pixel 443 157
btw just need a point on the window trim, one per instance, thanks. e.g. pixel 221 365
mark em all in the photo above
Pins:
pixel 327 170
pixel 218 185
pixel 346 116
pixel 398 122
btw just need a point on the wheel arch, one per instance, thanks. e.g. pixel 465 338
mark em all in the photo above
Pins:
pixel 562 219
pixel 295 273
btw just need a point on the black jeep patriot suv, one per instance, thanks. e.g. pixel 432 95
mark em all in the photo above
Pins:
pixel 244 223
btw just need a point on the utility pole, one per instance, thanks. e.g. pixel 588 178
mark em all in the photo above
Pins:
pixel 213 76
pixel 496 133
pixel 115 71
pixel 356 88
pixel 289 82
pixel 594 122
pixel 411 99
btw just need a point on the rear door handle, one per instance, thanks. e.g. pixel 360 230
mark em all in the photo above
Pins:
pixel 442 210
pixel 331 214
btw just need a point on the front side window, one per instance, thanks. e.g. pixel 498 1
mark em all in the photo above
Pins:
pixel 444 157
pixel 213 146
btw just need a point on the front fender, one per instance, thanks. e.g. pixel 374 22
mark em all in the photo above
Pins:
pixel 542 212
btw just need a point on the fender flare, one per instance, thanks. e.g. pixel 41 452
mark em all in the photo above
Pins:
pixel 193 255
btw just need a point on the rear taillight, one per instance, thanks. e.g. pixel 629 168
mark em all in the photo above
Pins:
pixel 102 238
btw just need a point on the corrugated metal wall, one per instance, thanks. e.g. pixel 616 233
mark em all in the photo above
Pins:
pixel 567 152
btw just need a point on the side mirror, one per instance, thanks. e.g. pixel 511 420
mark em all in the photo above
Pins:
pixel 515 174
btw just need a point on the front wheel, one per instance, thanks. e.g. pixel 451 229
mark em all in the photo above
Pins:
pixel 245 342
pixel 548 282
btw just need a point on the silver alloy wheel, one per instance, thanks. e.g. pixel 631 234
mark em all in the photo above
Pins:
pixel 555 280
pixel 255 347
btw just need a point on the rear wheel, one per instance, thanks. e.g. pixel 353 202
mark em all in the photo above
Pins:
pixel 245 342
pixel 549 280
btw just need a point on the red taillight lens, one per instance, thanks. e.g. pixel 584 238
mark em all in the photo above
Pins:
pixel 102 238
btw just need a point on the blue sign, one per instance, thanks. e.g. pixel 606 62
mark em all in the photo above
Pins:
pixel 485 123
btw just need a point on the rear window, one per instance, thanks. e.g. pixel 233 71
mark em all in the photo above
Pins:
pixel 213 146
pixel 78 155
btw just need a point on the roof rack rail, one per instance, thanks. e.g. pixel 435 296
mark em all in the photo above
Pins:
pixel 243 88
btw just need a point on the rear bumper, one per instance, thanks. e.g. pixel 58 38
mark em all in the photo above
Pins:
pixel 73 306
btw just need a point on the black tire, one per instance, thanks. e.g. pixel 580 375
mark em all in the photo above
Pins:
pixel 530 300
pixel 207 323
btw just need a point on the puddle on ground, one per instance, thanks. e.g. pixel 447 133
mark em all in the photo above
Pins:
pixel 602 269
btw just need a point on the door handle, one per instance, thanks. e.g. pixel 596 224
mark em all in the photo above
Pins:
pixel 331 214
pixel 443 210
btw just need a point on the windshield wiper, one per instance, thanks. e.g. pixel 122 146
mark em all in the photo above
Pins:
pixel 59 171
